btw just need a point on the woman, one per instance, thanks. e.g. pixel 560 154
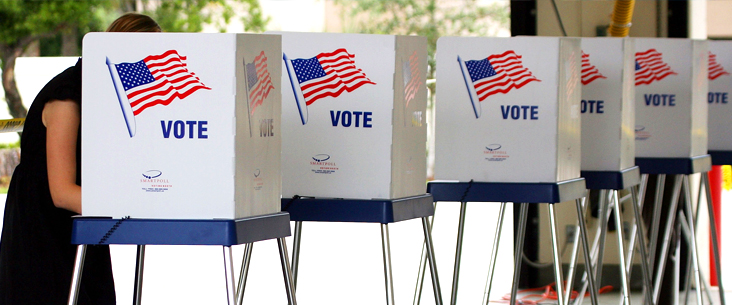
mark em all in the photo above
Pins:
pixel 36 254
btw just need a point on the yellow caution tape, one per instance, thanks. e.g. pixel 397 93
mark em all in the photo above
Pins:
pixel 12 125
pixel 726 177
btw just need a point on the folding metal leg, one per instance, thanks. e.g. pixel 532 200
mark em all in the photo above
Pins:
pixel 667 238
pixel 715 241
pixel 605 211
pixel 229 274
pixel 558 277
pixel 387 264
pixel 243 273
pixel 519 249
pixel 139 270
pixel 458 254
pixel 296 239
pixel 575 253
pixel 431 259
pixel 286 271
pixel 494 255
pixel 640 235
pixel 76 277
pixel 655 221
pixel 586 251
pixel 621 250
pixel 423 265
pixel 692 232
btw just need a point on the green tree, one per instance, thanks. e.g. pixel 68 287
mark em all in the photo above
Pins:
pixel 63 23
pixel 429 18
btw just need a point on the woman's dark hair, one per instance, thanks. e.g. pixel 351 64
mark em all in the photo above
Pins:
pixel 134 22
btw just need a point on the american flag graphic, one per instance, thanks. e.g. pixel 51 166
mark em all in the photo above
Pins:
pixel 499 73
pixel 259 83
pixel 589 71
pixel 410 75
pixel 715 69
pixel 328 74
pixel 650 67
pixel 157 80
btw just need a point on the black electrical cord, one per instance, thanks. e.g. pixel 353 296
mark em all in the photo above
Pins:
pixel 559 17
pixel 112 229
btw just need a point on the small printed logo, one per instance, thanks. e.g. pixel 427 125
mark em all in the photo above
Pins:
pixel 321 164
pixel 493 147
pixel 494 152
pixel 641 133
pixel 152 182
pixel 258 182
pixel 321 157
pixel 151 174
pixel 257 173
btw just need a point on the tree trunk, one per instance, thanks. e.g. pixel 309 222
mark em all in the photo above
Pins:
pixel 69 43
pixel 8 54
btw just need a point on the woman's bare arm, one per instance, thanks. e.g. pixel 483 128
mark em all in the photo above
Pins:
pixel 62 118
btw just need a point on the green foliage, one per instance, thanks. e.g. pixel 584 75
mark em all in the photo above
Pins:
pixel 10 145
pixel 191 15
pixel 429 18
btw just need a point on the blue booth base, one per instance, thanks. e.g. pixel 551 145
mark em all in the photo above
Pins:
pixel 224 232
pixel 540 192
pixel 721 157
pixel 674 166
pixel 610 180
pixel 358 210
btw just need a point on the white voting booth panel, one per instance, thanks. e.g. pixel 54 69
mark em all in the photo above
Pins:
pixel 508 109
pixel 670 97
pixel 720 95
pixel 181 126
pixel 608 111
pixel 353 115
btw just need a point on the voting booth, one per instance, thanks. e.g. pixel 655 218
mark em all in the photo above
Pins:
pixel 671 94
pixel 173 129
pixel 507 130
pixel 353 111
pixel 671 90
pixel 607 107
pixel 508 110
pixel 720 96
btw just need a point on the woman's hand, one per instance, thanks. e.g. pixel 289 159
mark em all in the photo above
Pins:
pixel 62 118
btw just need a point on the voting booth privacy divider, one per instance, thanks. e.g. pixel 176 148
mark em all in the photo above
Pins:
pixel 181 126
pixel 499 128
pixel 353 110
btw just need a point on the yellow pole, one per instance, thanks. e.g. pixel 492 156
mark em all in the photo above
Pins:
pixel 621 19
pixel 12 125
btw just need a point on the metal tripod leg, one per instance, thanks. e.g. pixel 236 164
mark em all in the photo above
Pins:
pixel 387 264
pixel 229 274
pixel 519 249
pixel 76 277
pixel 139 269
pixel 296 239
pixel 494 255
pixel 573 259
pixel 621 250
pixel 655 221
pixel 715 240
pixel 666 238
pixel 586 251
pixel 423 265
pixel 640 235
pixel 594 254
pixel 604 210
pixel 458 254
pixel 244 272
pixel 286 272
pixel 431 259
pixel 692 246
pixel 558 277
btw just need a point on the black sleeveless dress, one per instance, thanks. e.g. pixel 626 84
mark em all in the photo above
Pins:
pixel 36 254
